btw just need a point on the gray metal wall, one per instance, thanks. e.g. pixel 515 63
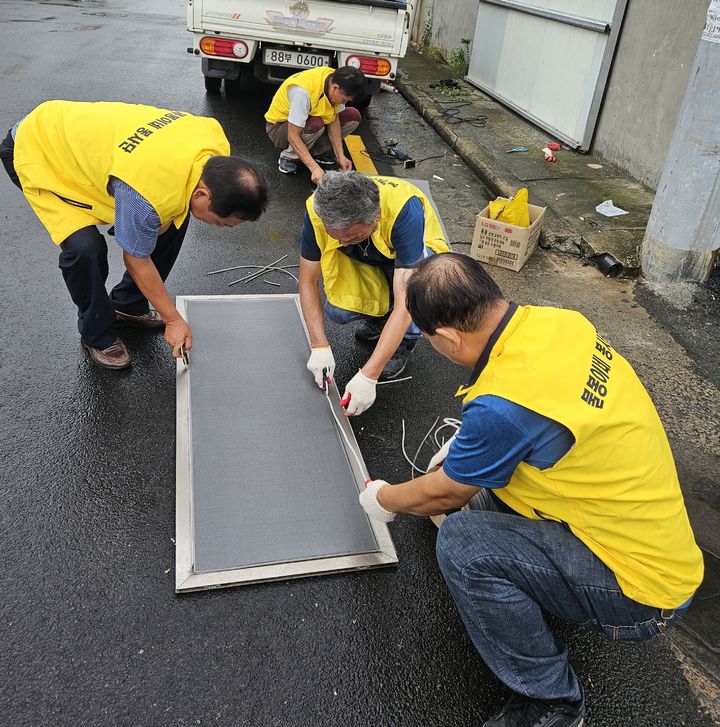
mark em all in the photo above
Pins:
pixel 652 66
pixel 657 46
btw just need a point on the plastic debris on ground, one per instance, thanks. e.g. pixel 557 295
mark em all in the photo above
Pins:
pixel 608 209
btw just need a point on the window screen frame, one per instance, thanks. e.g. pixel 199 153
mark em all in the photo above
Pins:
pixel 186 579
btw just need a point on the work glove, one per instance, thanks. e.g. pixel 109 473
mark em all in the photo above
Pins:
pixel 321 361
pixel 369 502
pixel 359 395
pixel 439 457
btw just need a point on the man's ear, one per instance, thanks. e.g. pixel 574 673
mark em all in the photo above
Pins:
pixel 451 336
pixel 201 191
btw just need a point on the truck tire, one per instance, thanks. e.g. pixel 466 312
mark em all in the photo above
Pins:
pixel 212 85
pixel 233 86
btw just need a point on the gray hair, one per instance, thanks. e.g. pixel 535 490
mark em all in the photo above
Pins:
pixel 344 199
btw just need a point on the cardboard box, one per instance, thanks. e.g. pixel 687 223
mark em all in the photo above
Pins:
pixel 507 246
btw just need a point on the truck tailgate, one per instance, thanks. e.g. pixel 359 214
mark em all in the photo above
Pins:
pixel 320 24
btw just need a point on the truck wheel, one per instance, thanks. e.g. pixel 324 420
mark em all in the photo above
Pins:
pixel 212 85
pixel 233 86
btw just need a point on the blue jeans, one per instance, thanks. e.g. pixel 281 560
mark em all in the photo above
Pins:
pixel 342 316
pixel 503 570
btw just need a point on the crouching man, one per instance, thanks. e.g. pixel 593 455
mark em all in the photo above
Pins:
pixel 575 505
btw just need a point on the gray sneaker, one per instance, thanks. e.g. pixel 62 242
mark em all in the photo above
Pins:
pixel 326 160
pixel 370 329
pixel 287 166
pixel 396 365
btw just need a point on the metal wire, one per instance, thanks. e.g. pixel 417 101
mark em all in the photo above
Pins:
pixel 240 267
pixel 447 422
pixel 259 272
pixel 267 270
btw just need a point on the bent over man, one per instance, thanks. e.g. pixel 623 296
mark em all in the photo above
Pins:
pixel 143 170
pixel 308 113
pixel 575 505
pixel 361 235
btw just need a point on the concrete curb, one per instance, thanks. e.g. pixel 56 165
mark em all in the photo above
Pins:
pixel 557 233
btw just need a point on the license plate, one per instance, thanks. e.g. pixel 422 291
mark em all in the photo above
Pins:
pixel 294 59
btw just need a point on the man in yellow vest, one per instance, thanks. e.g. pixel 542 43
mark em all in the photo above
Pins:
pixel 361 235
pixel 143 170
pixel 574 502
pixel 308 113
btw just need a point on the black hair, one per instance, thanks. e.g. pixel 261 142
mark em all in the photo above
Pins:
pixel 237 188
pixel 451 290
pixel 352 82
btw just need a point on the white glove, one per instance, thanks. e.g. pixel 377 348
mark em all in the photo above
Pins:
pixel 321 359
pixel 359 394
pixel 439 457
pixel 369 502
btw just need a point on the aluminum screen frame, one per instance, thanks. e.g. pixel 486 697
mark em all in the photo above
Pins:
pixel 186 578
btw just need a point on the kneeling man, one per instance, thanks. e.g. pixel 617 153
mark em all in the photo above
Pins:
pixel 575 505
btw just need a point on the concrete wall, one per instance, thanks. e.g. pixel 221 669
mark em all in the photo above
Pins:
pixel 452 20
pixel 646 87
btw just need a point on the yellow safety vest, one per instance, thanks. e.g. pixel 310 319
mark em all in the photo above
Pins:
pixel 353 285
pixel 313 81
pixel 617 488
pixel 66 152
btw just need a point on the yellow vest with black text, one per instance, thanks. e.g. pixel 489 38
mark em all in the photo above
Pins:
pixel 313 81
pixel 617 488
pixel 66 152
pixel 352 285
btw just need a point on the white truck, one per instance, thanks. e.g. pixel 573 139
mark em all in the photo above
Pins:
pixel 274 39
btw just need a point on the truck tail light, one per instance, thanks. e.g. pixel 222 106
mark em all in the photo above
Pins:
pixel 223 47
pixel 373 66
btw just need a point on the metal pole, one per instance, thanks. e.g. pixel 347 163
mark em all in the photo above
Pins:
pixel 683 235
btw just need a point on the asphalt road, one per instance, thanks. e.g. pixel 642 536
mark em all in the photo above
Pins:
pixel 92 632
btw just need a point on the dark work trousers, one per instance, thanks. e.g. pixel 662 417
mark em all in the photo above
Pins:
pixel 7 154
pixel 84 265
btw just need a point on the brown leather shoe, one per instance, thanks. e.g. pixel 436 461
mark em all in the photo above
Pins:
pixel 115 356
pixel 151 319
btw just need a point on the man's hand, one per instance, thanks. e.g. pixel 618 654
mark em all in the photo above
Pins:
pixel 344 163
pixel 359 395
pixel 439 457
pixel 316 175
pixel 369 502
pixel 178 333
pixel 321 362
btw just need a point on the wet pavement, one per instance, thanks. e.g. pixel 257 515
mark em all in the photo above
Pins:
pixel 92 631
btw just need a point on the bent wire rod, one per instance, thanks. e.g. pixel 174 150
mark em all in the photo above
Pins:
pixel 240 267
pixel 262 270
pixel 268 270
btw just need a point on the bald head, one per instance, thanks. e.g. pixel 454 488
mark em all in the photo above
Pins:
pixel 451 290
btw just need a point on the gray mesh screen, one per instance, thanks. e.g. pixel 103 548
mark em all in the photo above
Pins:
pixel 271 482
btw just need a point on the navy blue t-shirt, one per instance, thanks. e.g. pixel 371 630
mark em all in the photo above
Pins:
pixel 496 435
pixel 407 239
